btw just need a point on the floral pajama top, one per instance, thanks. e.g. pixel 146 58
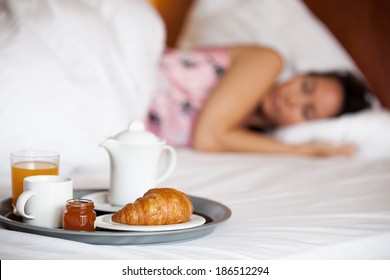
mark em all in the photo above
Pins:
pixel 188 77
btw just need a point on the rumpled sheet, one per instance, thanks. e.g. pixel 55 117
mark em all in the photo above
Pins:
pixel 282 208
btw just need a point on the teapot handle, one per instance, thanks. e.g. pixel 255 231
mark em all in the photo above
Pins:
pixel 169 165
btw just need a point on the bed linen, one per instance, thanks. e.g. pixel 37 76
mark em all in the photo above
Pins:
pixel 282 208
pixel 74 72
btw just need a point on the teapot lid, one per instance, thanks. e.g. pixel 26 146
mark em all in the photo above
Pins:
pixel 137 135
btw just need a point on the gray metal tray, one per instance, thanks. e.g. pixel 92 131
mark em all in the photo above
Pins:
pixel 214 212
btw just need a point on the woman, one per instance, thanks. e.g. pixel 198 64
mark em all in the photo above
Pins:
pixel 213 98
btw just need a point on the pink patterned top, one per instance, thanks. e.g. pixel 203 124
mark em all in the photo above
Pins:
pixel 187 79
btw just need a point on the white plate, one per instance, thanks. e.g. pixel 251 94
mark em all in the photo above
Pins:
pixel 105 222
pixel 101 202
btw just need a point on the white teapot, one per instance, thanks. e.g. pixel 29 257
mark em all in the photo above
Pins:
pixel 134 157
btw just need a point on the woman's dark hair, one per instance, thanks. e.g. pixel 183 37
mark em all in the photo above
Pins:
pixel 356 93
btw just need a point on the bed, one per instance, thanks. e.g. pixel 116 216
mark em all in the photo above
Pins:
pixel 282 207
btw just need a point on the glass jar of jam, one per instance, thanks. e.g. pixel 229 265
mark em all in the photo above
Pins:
pixel 79 215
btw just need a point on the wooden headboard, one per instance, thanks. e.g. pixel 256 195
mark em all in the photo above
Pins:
pixel 173 13
pixel 362 27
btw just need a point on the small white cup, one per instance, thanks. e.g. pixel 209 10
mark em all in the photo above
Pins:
pixel 43 200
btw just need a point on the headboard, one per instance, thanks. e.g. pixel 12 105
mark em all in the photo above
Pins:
pixel 173 13
pixel 362 27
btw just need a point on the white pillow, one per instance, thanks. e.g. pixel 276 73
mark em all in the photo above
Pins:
pixel 74 72
pixel 285 25
pixel 368 130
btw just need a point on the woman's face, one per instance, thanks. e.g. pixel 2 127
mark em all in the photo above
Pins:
pixel 303 98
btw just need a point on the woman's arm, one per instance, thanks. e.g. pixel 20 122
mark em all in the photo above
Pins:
pixel 219 127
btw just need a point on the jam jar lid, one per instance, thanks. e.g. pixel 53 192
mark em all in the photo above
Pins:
pixel 80 203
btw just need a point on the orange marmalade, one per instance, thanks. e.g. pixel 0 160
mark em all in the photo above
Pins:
pixel 79 215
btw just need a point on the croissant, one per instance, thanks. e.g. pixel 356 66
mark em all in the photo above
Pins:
pixel 159 206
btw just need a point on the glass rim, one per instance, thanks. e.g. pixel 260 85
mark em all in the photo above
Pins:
pixel 29 154
pixel 80 202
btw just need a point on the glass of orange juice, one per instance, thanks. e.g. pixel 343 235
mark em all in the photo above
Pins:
pixel 31 163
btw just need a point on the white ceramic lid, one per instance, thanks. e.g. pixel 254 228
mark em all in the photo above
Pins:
pixel 137 135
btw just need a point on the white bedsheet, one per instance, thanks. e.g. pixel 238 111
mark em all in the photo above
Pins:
pixel 282 208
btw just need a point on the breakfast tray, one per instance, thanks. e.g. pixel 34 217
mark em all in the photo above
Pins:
pixel 214 212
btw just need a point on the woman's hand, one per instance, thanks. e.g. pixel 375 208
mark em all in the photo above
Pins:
pixel 326 149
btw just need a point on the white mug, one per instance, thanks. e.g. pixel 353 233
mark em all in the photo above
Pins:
pixel 43 200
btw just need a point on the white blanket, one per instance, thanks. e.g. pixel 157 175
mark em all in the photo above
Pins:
pixel 282 208
pixel 74 72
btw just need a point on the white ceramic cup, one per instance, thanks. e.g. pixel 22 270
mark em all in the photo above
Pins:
pixel 43 200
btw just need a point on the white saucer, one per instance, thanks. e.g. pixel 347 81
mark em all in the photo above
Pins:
pixel 105 222
pixel 101 202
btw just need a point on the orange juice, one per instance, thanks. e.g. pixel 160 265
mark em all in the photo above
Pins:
pixel 23 169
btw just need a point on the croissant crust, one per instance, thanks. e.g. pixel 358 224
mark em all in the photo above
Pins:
pixel 159 206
